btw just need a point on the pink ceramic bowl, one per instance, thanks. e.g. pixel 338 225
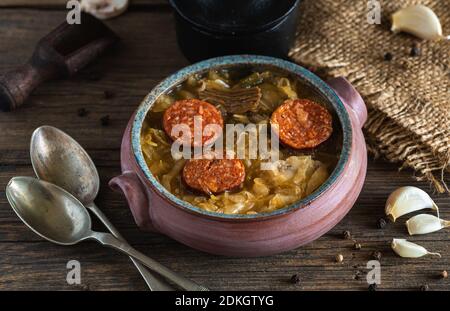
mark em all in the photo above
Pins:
pixel 155 209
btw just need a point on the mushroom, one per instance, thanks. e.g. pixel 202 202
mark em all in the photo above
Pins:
pixel 104 9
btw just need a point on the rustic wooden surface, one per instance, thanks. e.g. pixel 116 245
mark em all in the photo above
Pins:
pixel 147 54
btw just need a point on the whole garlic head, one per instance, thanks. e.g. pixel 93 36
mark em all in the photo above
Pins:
pixel 104 9
pixel 408 199
pixel 418 20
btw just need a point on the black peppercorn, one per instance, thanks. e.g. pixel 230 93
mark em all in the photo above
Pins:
pixel 376 255
pixel 424 288
pixel 105 120
pixel 108 94
pixel 93 76
pixel 295 279
pixel 82 112
pixel 381 223
pixel 346 235
pixel 415 51
pixel 372 287
pixel 388 56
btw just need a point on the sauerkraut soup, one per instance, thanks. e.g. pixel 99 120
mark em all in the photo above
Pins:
pixel 243 96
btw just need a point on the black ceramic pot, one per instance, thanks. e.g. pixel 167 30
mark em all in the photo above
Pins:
pixel 209 28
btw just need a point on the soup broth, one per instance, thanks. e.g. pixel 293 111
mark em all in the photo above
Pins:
pixel 297 174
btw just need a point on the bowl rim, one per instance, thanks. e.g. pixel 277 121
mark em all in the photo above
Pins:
pixel 225 61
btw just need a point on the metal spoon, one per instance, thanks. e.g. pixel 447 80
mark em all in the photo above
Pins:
pixel 56 215
pixel 59 159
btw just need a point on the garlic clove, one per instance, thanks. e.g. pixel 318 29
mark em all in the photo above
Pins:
pixel 407 249
pixel 418 20
pixel 104 9
pixel 424 223
pixel 408 199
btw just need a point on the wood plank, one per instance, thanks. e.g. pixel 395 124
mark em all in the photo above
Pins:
pixel 316 266
pixel 61 4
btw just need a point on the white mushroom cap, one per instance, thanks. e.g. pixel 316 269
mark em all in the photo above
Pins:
pixel 104 9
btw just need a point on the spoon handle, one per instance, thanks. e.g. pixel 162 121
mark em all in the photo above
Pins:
pixel 107 239
pixel 152 281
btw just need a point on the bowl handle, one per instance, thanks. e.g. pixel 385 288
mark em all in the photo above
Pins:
pixel 350 97
pixel 129 184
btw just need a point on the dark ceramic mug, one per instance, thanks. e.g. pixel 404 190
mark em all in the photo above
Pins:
pixel 211 28
pixel 156 209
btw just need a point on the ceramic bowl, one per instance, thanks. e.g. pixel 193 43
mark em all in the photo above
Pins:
pixel 156 209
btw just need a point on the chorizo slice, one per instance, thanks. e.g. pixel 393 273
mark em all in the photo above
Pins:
pixel 302 123
pixel 212 176
pixel 184 112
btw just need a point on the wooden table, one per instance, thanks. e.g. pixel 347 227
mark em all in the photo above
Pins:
pixel 147 54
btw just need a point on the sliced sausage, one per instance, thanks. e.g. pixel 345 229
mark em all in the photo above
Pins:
pixel 214 175
pixel 302 123
pixel 184 112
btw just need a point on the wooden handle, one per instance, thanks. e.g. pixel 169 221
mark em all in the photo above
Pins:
pixel 17 85
pixel 62 53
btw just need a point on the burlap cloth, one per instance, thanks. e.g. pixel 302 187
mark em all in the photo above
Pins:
pixel 408 98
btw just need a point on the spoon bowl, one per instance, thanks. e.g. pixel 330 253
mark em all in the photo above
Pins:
pixel 59 159
pixel 48 210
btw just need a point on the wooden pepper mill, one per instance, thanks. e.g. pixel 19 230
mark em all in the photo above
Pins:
pixel 60 54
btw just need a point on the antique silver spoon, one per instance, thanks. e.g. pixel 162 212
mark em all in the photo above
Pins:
pixel 56 215
pixel 59 159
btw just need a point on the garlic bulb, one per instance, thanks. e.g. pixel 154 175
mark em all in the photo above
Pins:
pixel 104 9
pixel 418 20
pixel 408 199
pixel 424 223
pixel 407 249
